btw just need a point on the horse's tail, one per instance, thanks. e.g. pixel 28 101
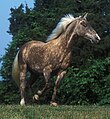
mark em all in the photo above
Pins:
pixel 16 71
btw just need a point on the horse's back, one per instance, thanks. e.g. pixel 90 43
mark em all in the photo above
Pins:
pixel 30 45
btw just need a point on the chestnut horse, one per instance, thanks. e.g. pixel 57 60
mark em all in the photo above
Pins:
pixel 55 55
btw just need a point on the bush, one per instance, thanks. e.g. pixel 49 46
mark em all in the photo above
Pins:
pixel 87 86
pixel 9 92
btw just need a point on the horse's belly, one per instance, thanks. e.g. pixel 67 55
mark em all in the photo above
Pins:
pixel 36 68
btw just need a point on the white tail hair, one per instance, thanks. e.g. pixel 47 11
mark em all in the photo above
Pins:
pixel 15 71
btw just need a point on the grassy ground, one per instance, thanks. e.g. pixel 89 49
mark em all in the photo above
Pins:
pixel 49 112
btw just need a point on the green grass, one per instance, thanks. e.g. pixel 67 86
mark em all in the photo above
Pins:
pixel 49 112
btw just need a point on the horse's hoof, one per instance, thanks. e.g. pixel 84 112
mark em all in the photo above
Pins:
pixel 53 104
pixel 36 97
pixel 22 102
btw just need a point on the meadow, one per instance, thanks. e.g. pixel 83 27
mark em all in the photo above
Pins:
pixel 50 112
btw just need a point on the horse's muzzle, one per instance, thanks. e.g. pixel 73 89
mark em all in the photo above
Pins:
pixel 97 38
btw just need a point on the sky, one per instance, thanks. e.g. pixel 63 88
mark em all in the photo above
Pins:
pixel 5 6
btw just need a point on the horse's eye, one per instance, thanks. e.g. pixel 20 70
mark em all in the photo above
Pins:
pixel 83 24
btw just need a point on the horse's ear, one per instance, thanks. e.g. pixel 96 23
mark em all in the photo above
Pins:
pixel 84 16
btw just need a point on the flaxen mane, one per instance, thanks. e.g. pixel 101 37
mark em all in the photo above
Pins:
pixel 61 26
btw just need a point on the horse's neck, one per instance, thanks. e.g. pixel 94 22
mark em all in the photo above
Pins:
pixel 66 40
pixel 70 35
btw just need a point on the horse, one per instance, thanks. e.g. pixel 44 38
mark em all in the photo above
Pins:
pixel 51 56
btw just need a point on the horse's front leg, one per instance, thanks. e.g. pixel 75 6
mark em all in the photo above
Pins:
pixel 22 83
pixel 46 73
pixel 59 77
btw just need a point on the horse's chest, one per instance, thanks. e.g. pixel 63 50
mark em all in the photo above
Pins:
pixel 66 60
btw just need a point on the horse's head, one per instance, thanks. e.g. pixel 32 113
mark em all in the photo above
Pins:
pixel 84 29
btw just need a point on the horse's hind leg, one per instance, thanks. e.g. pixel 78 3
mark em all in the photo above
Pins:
pixel 22 83
pixel 29 84
pixel 47 84
pixel 59 77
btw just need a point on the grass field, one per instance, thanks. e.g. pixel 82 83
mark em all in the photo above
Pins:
pixel 49 112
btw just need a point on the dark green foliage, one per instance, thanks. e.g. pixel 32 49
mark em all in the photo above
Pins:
pixel 9 92
pixel 87 86
pixel 88 78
